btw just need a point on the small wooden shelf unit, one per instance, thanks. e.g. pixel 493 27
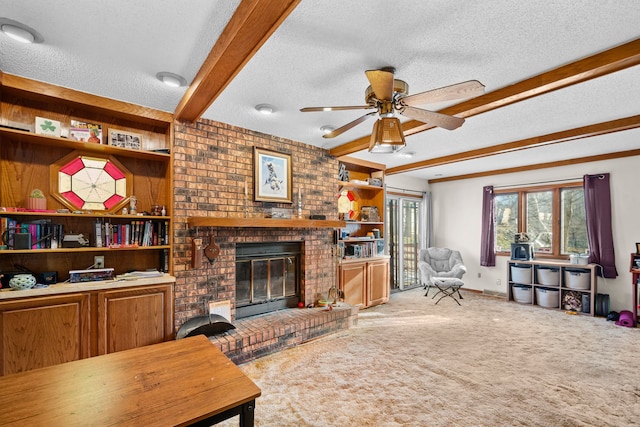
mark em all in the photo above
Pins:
pixel 528 273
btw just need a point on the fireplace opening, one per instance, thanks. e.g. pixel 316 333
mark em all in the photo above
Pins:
pixel 267 277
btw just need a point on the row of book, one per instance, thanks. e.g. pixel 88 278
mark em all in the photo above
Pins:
pixel 40 234
pixel 135 233
pixel 44 234
pixel 363 250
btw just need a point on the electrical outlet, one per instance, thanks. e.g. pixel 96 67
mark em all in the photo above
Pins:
pixel 498 282
pixel 98 261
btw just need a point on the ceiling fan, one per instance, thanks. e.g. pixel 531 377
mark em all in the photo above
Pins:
pixel 388 95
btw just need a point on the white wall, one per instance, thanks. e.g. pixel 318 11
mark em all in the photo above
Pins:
pixel 457 209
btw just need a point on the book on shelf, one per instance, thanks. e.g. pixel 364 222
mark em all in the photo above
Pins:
pixel 43 233
pixel 136 233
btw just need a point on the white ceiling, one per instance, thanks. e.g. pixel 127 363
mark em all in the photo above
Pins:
pixel 318 56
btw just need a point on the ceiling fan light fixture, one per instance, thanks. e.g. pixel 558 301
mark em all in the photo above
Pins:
pixel 387 136
pixel 265 109
pixel 20 32
pixel 171 79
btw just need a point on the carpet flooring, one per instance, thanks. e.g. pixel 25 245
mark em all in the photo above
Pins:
pixel 486 363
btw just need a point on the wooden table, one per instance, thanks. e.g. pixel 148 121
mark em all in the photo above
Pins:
pixel 175 383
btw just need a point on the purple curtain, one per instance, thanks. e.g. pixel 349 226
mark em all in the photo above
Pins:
pixel 487 249
pixel 597 200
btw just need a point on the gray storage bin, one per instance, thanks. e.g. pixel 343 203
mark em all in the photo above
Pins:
pixel 521 274
pixel 549 276
pixel 577 278
pixel 522 293
pixel 549 298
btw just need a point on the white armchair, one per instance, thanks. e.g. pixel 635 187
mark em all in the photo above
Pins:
pixel 439 262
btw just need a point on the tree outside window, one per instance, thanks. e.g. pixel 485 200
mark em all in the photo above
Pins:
pixel 553 217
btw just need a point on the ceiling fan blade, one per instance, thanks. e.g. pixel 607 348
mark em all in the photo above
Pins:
pixel 346 107
pixel 349 125
pixel 457 91
pixel 382 84
pixel 432 118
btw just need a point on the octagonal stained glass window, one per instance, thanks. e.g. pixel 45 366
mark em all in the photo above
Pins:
pixel 91 183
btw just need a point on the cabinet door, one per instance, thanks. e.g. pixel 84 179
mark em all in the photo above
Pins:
pixel 353 282
pixel 378 275
pixel 134 317
pixel 39 332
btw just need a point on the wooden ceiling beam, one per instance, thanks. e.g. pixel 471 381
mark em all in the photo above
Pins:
pixel 588 131
pixel 557 163
pixel 253 22
pixel 600 64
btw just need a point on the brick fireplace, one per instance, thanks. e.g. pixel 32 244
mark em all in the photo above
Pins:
pixel 212 165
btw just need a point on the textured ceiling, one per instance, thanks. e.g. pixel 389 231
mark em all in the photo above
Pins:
pixel 319 54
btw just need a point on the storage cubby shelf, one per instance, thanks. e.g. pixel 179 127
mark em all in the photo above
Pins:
pixel 525 278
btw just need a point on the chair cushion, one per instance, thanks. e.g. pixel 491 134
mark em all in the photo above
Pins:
pixel 440 265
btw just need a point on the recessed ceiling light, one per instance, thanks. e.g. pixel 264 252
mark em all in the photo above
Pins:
pixel 266 108
pixel 171 79
pixel 327 129
pixel 20 32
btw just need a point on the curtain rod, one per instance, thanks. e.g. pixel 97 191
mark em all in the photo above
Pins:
pixel 404 189
pixel 539 183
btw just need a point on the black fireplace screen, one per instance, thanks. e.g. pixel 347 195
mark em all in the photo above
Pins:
pixel 267 277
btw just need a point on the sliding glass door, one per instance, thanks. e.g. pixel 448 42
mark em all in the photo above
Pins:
pixel 403 233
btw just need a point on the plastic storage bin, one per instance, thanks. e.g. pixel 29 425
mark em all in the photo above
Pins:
pixel 521 274
pixel 577 279
pixel 522 293
pixel 548 276
pixel 548 298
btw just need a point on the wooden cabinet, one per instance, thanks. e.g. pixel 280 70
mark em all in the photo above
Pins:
pixel 28 161
pixel 365 282
pixel 57 328
pixel 378 287
pixel 39 332
pixel 130 318
pixel 364 267
pixel 353 282
pixel 558 285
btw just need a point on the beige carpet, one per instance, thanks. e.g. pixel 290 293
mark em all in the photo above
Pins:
pixel 486 363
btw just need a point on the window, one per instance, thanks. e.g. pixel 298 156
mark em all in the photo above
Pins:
pixel 553 217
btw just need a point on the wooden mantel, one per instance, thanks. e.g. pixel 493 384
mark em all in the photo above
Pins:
pixel 206 221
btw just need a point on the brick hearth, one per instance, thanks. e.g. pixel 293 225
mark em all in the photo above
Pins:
pixel 260 335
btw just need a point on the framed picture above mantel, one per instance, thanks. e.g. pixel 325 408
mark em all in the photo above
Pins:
pixel 272 173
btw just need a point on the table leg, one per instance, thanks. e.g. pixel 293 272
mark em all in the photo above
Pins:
pixel 247 413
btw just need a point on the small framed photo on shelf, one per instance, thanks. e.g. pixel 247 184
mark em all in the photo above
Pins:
pixel 124 139
pixel 271 176
pixel 85 132
pixel 47 127
pixel 638 248
pixel 370 214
